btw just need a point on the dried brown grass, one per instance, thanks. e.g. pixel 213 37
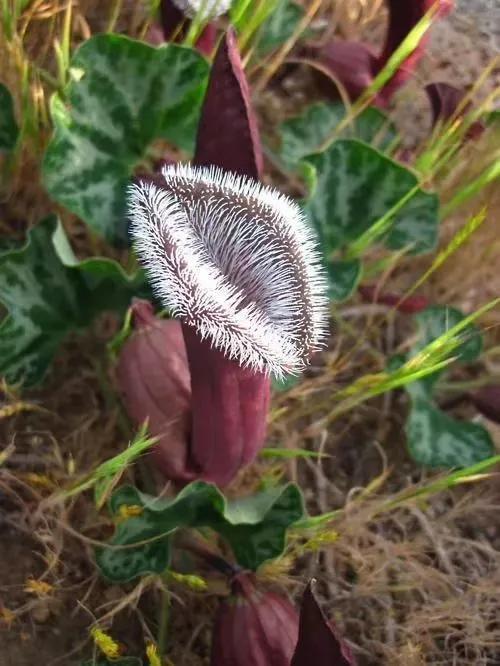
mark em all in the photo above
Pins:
pixel 414 585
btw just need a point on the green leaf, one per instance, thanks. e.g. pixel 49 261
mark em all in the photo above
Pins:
pixel 123 95
pixel 374 127
pixel 343 278
pixel 354 185
pixel 434 438
pixel 8 126
pixel 285 384
pixel 437 440
pixel 305 134
pixel 433 322
pixel 279 26
pixel 255 527
pixel 437 319
pixel 48 293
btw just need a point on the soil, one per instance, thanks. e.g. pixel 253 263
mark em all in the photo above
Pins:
pixel 51 628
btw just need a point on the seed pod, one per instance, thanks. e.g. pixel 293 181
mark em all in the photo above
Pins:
pixel 254 628
pixel 487 402
pixel 153 376
pixel 318 643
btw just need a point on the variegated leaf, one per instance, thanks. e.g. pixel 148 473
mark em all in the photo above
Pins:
pixel 123 95
pixel 354 186
pixel 48 293
pixel 305 134
pixel 255 526
pixel 438 440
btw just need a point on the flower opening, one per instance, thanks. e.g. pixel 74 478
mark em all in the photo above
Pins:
pixel 235 260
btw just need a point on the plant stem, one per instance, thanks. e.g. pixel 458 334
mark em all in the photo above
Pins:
pixel 163 619
pixel 115 13
pixel 468 385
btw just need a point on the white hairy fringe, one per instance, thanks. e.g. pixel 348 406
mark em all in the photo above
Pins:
pixel 237 261
pixel 209 9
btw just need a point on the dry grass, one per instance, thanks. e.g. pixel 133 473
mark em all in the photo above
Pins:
pixel 413 585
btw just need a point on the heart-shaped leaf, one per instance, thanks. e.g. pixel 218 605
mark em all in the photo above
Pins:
pixel 279 26
pixel 48 293
pixel 123 95
pixel 437 440
pixel 255 527
pixel 437 319
pixel 355 185
pixel 343 278
pixel 8 126
pixel 433 322
pixel 305 134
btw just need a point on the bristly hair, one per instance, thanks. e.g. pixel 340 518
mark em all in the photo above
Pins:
pixel 234 259
pixel 210 9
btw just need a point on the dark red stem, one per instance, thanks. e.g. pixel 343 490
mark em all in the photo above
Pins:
pixel 229 406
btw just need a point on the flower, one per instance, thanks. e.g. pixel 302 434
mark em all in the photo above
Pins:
pixel 253 627
pixel 236 263
pixel 234 260
pixel 318 641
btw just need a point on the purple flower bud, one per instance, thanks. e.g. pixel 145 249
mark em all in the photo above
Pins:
pixel 403 17
pixel 351 63
pixel 445 101
pixel 356 66
pixel 153 376
pixel 318 643
pixel 254 628
pixel 487 402
pixel 228 136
